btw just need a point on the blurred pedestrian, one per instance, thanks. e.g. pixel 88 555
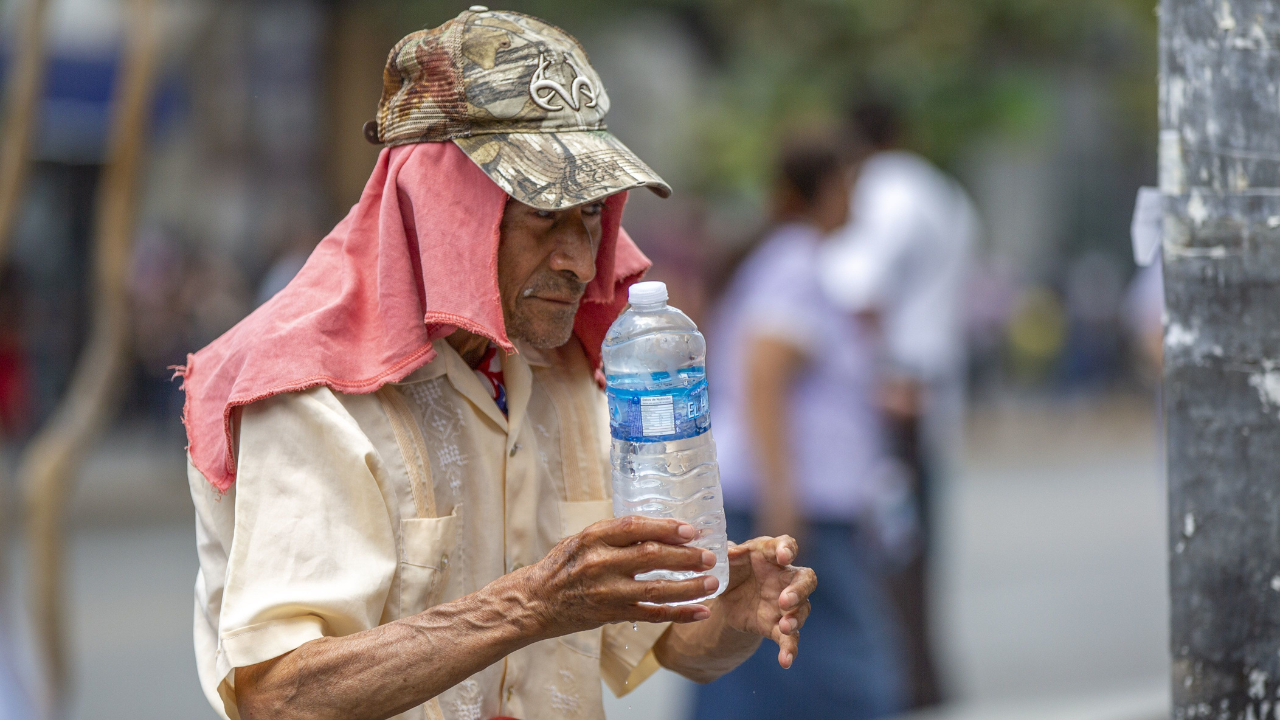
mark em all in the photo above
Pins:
pixel 801 452
pixel 904 257
pixel 162 311
pixel 15 380
pixel 1094 295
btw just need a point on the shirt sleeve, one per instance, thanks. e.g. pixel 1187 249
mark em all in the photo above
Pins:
pixel 860 268
pixel 313 551
pixel 626 655
pixel 779 304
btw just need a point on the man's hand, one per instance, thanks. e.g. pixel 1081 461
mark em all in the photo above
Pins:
pixel 767 597
pixel 588 579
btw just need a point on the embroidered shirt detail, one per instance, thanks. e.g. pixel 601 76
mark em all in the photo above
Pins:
pixel 467 705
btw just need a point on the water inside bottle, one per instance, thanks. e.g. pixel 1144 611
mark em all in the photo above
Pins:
pixel 663 454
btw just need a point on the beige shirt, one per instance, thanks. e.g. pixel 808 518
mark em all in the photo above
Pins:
pixel 337 524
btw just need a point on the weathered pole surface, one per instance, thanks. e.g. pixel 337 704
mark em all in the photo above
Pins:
pixel 1220 173
pixel 52 458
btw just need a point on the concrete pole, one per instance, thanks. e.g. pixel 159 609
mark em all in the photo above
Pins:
pixel 1220 174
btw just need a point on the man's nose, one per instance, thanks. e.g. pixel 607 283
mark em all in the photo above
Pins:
pixel 575 251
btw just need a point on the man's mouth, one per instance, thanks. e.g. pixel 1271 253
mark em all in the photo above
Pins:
pixel 555 300
pixel 569 298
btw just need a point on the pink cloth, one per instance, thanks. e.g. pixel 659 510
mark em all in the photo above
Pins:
pixel 414 260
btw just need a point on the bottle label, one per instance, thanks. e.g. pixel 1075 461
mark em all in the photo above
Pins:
pixel 659 415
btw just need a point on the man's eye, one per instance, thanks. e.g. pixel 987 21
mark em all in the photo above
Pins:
pixel 593 209
pixel 545 214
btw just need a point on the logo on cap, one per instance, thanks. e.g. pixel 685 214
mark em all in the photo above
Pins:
pixel 543 90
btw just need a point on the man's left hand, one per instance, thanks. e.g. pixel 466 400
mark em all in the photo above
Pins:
pixel 767 595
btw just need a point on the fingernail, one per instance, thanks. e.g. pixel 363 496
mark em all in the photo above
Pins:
pixel 708 558
pixel 710 583
pixel 702 614
pixel 685 531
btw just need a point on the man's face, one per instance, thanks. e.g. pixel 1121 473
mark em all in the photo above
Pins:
pixel 546 258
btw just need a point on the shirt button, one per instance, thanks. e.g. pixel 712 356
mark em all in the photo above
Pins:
pixel 444 561
pixel 514 448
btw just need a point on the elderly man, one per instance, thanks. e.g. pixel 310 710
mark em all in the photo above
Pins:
pixel 399 462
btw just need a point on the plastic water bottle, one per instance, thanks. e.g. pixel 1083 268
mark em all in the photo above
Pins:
pixel 664 459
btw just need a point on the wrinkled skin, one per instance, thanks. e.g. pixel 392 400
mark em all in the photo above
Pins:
pixel 545 261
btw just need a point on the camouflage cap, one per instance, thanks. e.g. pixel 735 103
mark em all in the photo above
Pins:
pixel 520 98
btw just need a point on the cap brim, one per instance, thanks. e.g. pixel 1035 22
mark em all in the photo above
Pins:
pixel 558 170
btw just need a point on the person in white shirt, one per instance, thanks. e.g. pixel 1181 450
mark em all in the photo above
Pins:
pixel 903 260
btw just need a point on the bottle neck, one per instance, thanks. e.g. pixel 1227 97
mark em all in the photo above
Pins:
pixel 650 307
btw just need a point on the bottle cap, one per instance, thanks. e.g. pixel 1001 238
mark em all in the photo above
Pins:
pixel 647 293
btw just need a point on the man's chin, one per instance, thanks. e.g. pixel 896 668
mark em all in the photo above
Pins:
pixel 542 336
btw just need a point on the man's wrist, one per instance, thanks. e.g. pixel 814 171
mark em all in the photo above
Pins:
pixel 519 597
pixel 706 650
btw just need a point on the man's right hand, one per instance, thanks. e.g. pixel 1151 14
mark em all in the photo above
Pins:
pixel 588 579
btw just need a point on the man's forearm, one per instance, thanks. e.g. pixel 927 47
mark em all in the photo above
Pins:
pixel 706 650
pixel 394 667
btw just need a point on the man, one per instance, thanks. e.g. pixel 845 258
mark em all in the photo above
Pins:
pixel 802 452
pixel 398 462
pixel 903 259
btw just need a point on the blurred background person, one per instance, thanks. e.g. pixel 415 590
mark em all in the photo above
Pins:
pixel 1094 292
pixel 800 448
pixel 904 258
pixel 14 376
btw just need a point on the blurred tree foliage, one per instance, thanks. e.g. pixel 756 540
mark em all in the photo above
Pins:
pixel 959 69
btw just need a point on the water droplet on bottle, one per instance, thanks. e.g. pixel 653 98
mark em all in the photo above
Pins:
pixel 635 627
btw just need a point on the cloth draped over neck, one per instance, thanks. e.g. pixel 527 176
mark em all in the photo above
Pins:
pixel 415 259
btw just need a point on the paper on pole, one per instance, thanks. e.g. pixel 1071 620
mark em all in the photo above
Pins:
pixel 1148 225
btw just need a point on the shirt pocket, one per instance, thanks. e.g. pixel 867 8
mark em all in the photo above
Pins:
pixel 429 546
pixel 574 518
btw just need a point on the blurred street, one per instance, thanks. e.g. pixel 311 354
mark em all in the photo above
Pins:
pixel 1052 574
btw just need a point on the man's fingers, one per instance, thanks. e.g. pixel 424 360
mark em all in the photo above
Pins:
pixel 652 555
pixel 670 613
pixel 632 529
pixel 793 620
pixel 802 586
pixel 788 646
pixel 783 550
pixel 659 592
